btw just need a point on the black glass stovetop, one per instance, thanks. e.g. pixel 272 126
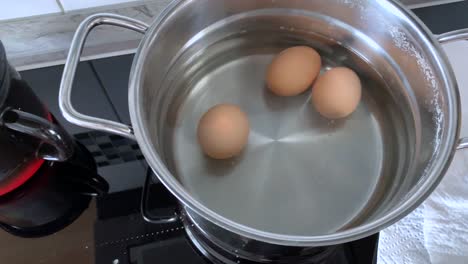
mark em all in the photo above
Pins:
pixel 146 243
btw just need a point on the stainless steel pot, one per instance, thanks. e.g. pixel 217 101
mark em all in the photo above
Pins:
pixel 303 181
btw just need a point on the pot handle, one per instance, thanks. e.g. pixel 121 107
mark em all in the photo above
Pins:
pixel 461 34
pixel 145 196
pixel 76 48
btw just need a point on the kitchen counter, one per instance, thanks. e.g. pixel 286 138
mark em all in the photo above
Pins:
pixel 44 40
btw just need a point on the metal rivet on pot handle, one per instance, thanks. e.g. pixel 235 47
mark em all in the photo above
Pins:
pixel 448 37
pixel 68 111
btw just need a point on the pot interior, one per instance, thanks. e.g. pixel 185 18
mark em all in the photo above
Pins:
pixel 300 174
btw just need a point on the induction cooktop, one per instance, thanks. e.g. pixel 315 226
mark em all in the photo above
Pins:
pixel 145 243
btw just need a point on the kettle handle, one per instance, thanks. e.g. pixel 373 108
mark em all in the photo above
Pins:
pixel 93 185
pixel 56 144
pixel 78 42
pixel 461 34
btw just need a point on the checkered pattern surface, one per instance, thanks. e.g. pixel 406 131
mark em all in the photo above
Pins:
pixel 109 149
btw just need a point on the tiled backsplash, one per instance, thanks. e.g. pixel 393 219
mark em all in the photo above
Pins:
pixel 71 5
pixel 27 8
pixel 17 9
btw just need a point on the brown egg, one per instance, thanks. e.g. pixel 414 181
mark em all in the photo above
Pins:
pixel 293 71
pixel 336 94
pixel 223 131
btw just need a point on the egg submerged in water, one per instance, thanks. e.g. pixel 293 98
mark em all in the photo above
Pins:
pixel 293 71
pixel 337 93
pixel 223 131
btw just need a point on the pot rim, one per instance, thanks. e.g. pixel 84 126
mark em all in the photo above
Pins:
pixel 439 167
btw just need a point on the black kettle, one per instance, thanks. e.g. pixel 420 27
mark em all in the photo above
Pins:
pixel 28 134
pixel 46 178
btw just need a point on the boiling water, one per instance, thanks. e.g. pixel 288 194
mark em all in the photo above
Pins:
pixel 300 173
